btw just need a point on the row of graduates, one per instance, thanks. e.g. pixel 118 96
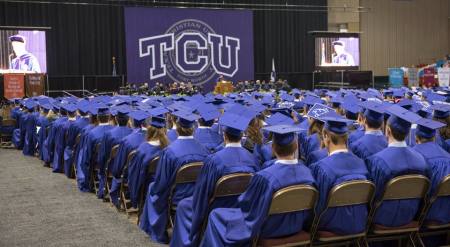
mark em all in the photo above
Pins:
pixel 335 150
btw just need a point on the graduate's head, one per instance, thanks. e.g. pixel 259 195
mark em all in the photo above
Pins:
pixel 284 140
pixel 103 114
pixel 18 44
pixel 441 114
pixel 156 131
pixel 138 118
pixel 339 47
pixel 234 125
pixel 335 131
pixel 121 116
pixel 208 113
pixel 373 115
pixel 399 122
pixel 185 122
pixel 426 130
pixel 70 109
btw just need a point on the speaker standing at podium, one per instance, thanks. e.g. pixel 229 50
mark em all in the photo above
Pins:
pixel 24 60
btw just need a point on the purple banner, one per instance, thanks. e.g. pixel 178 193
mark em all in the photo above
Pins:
pixel 188 45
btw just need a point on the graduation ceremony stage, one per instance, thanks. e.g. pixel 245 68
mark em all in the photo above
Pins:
pixel 42 209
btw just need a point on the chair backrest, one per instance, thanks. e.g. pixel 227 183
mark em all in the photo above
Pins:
pixel 130 157
pixel 153 164
pixel 114 151
pixel 97 148
pixel 8 122
pixel 411 186
pixel 188 173
pixel 351 193
pixel 444 187
pixel 231 185
pixel 293 198
pixel 77 139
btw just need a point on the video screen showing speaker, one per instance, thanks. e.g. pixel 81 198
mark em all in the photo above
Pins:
pixel 22 51
pixel 337 52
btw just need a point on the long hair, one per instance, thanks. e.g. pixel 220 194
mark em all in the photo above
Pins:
pixel 315 127
pixel 444 131
pixel 158 134
pixel 254 131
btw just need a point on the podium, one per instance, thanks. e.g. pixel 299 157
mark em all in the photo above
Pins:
pixel 223 87
pixel 18 84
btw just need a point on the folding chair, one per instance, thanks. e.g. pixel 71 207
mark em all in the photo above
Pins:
pixel 151 170
pixel 228 185
pixel 74 162
pixel 400 188
pixel 290 199
pixel 186 174
pixel 124 193
pixel 5 138
pixel 94 169
pixel 430 228
pixel 349 193
pixel 108 174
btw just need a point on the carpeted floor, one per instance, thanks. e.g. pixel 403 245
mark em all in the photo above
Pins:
pixel 41 208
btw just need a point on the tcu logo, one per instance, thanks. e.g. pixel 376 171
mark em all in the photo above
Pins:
pixel 190 51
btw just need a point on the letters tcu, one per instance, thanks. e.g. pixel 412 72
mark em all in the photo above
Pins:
pixel 224 53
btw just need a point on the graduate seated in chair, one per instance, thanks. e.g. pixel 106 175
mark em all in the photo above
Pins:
pixel 204 133
pixel 42 122
pixel 64 140
pixel 156 141
pixel 239 226
pixel 441 113
pixel 29 121
pixel 193 211
pixel 17 114
pixel 126 146
pixel 438 161
pixel 110 139
pixel 340 166
pixel 155 216
pixel 396 160
pixel 373 140
pixel 61 117
pixel 93 137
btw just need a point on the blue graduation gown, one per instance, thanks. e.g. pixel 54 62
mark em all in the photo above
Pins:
pixel 263 153
pixel 439 162
pixel 60 134
pixel 316 156
pixel 83 167
pixel 368 145
pixel 41 125
pixel 137 170
pixel 77 128
pixel 443 143
pixel 355 135
pixel 127 145
pixel 209 138
pixel 192 211
pixel 385 165
pixel 333 170
pixel 154 218
pixel 51 139
pixel 311 144
pixel 109 140
pixel 301 137
pixel 172 135
pixel 72 128
pixel 79 154
pixel 19 133
pixel 29 145
pixel 238 226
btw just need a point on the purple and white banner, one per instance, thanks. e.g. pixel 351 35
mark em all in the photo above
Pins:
pixel 188 45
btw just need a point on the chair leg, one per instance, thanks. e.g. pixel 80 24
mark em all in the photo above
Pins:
pixel 411 240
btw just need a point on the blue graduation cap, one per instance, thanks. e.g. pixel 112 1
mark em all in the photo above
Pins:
pixel 336 101
pixel 234 122
pixel 139 116
pixel 17 38
pixel 426 128
pixel 208 112
pixel 424 112
pixel 121 111
pixel 401 119
pixel 406 103
pixel 283 110
pixel 279 118
pixel 47 107
pixel 30 104
pixel 93 110
pixel 158 122
pixel 158 111
pixel 374 111
pixel 441 111
pixel 318 110
pixel 336 124
pixel 283 134
pixel 311 100
pixel 70 108
pixel 103 110
pixel 186 119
